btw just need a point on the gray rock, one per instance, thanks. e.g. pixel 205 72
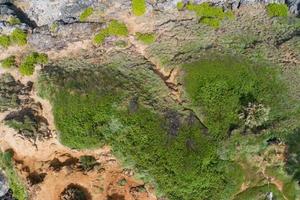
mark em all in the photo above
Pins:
pixel 294 6
pixel 3 184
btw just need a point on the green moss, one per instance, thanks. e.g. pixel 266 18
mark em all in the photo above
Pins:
pixel 9 62
pixel 277 10
pixel 222 86
pixel 4 41
pixel 138 7
pixel 86 13
pixel 180 5
pixel 6 163
pixel 27 66
pixel 115 28
pixel 210 15
pixel 146 38
pixel 14 20
pixel 18 37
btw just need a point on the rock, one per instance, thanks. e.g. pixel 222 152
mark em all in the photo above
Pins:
pixel 3 184
pixel 294 6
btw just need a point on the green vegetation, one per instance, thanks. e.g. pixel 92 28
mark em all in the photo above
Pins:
pixel 180 5
pixel 18 37
pixel 54 27
pixel 210 15
pixel 277 10
pixel 6 164
pixel 8 62
pixel 86 13
pixel 146 38
pixel 14 20
pixel 27 66
pixel 138 7
pixel 115 28
pixel 4 41
pixel 226 90
pixel 260 193
pixel 87 162
pixel 293 155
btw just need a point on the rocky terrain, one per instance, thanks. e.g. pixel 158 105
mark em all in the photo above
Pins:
pixel 102 99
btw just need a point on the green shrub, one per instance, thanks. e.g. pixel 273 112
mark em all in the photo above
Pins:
pixel 138 7
pixel 277 10
pixel 9 62
pixel 220 87
pixel 18 37
pixel 86 13
pixel 115 28
pixel 87 162
pixel 17 187
pixel 146 38
pixel 4 41
pixel 14 20
pixel 180 5
pixel 210 15
pixel 27 66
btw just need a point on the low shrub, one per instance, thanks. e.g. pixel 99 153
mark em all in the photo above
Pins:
pixel 27 66
pixel 146 38
pixel 138 7
pixel 18 37
pixel 277 10
pixel 86 13
pixel 4 41
pixel 9 62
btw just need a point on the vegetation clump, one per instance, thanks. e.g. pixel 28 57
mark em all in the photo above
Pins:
pixel 86 13
pixel 277 10
pixel 15 184
pixel 4 41
pixel 8 62
pixel 210 15
pixel 146 38
pixel 14 20
pixel 223 89
pixel 138 7
pixel 18 37
pixel 180 5
pixel 115 28
pixel 88 162
pixel 27 66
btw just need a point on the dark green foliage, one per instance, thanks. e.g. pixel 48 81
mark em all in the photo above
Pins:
pixel 115 28
pixel 6 164
pixel 18 37
pixel 222 86
pixel 88 162
pixel 9 62
pixel 138 7
pixel 277 10
pixel 86 13
pixel 28 64
pixel 293 155
pixel 4 41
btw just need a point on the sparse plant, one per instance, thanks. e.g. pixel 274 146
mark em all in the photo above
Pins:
pixel 13 20
pixel 180 5
pixel 277 10
pixel 4 41
pixel 18 37
pixel 27 66
pixel 146 38
pixel 138 7
pixel 87 162
pixel 86 13
pixel 9 62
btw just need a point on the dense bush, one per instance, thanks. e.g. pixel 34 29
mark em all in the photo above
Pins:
pixel 277 10
pixel 210 15
pixel 146 38
pixel 28 64
pixel 86 13
pixel 138 7
pixel 223 86
pixel 4 41
pixel 115 28
pixel 18 37
pixel 6 164
pixel 8 62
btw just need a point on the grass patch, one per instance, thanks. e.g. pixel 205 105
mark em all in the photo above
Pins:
pixel 4 41
pixel 277 10
pixel 115 28
pixel 8 62
pixel 18 37
pixel 28 64
pixel 223 88
pixel 138 7
pixel 210 15
pixel 6 163
pixel 86 13
pixel 146 38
